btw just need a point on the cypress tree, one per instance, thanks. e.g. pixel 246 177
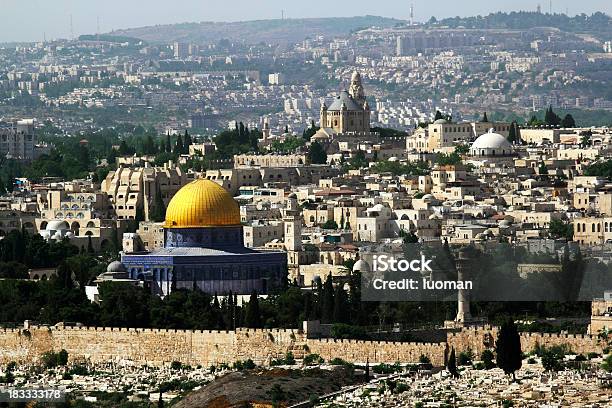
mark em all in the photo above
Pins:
pixel 327 312
pixel 340 305
pixel 512 133
pixel 187 142
pixel 484 117
pixel 508 348
pixel 159 208
pixel 178 146
pixel 253 314
pixel 451 366
pixel 90 248
pixel 168 148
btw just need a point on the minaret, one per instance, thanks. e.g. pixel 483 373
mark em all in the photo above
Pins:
pixel 266 129
pixel 356 90
pixel 463 297
pixel 293 225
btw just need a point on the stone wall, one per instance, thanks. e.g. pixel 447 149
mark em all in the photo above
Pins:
pixel 146 346
pixel 478 338
pixel 201 347
pixel 377 351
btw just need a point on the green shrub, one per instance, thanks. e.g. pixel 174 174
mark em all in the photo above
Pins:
pixel 465 358
pixel 487 358
pixel 176 365
pixel 337 361
pixel 313 359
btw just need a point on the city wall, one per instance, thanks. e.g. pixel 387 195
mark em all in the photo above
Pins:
pixel 201 347
pixel 478 338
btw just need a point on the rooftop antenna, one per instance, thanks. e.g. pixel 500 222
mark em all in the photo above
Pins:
pixel 550 6
pixel 282 14
pixel 539 9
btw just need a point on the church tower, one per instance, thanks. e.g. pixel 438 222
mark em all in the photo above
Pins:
pixel 356 89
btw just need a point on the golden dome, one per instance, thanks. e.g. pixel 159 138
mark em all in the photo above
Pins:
pixel 202 203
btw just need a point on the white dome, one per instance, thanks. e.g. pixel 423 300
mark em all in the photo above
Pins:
pixel 378 208
pixel 57 225
pixel 361 266
pixel 393 159
pixel 115 266
pixel 491 141
pixel 428 197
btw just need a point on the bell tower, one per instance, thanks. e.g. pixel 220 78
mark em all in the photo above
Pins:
pixel 356 90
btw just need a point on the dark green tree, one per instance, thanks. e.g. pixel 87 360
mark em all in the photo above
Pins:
pixel 187 141
pixel 158 213
pixel 168 148
pixel 451 365
pixel 341 306
pixel 551 118
pixel 253 313
pixel 327 300
pixel 513 133
pixel 484 117
pixel 568 121
pixel 178 146
pixel 316 153
pixel 508 348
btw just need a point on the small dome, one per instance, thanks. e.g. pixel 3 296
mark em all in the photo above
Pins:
pixel 504 223
pixel 393 159
pixel 440 122
pixel 57 225
pixel 361 266
pixel 292 195
pixel 115 266
pixel 378 207
pixel 491 140
pixel 428 197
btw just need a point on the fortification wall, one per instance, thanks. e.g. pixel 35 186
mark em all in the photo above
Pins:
pixel 377 351
pixel 478 338
pixel 202 347
pixel 146 346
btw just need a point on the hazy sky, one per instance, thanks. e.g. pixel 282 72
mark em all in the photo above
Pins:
pixel 30 20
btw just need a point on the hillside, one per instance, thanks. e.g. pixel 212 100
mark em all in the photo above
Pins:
pixel 598 24
pixel 267 387
pixel 269 31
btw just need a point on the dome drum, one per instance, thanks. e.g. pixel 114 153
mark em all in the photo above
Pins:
pixel 223 237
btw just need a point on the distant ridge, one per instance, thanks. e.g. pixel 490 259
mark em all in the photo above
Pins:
pixel 599 24
pixel 269 31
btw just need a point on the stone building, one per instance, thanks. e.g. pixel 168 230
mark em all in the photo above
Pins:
pixel 131 190
pixel 270 160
